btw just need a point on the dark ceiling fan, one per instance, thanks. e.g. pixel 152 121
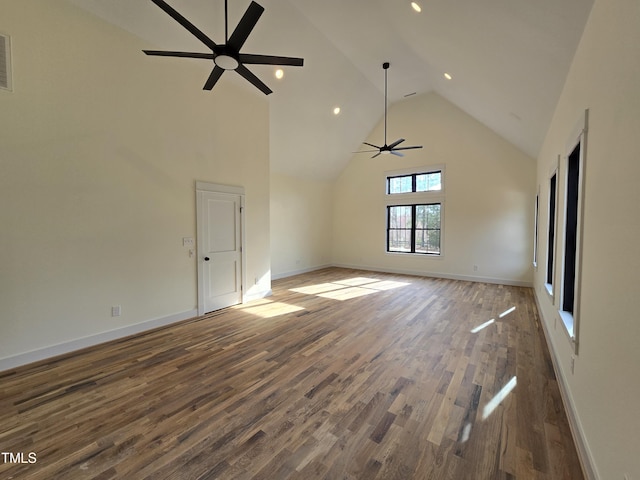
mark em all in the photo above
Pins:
pixel 393 148
pixel 227 56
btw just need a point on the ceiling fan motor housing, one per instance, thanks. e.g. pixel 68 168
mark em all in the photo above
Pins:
pixel 227 56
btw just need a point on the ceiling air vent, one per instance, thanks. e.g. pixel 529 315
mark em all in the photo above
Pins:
pixel 5 62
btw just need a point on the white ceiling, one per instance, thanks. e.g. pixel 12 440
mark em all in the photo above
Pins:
pixel 508 59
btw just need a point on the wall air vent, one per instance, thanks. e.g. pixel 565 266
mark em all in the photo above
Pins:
pixel 5 62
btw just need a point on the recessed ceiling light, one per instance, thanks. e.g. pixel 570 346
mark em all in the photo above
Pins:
pixel 416 7
pixel 336 111
pixel 447 76
pixel 279 73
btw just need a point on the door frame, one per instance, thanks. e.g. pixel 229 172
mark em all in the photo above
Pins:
pixel 219 189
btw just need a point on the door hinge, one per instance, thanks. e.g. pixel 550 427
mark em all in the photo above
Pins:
pixel 241 209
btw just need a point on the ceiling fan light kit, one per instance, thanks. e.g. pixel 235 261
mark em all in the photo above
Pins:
pixel 227 56
pixel 393 148
pixel 226 62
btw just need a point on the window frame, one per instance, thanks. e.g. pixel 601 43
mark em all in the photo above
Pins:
pixel 429 197
pixel 414 182
pixel 536 228
pixel 413 230
pixel 551 259
pixel 571 319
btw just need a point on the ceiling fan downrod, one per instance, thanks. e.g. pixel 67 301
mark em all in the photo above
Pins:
pixel 393 148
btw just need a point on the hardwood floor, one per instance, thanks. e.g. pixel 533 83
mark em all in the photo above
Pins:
pixel 341 374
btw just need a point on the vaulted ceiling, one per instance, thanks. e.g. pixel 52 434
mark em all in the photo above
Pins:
pixel 508 60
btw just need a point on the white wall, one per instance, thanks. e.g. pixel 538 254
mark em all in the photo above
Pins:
pixel 488 209
pixel 301 224
pixel 605 387
pixel 100 148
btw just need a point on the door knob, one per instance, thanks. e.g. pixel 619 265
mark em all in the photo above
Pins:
pixel 206 259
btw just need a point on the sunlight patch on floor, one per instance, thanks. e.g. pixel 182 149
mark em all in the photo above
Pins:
pixel 316 289
pixel 268 309
pixel 349 288
pixel 498 398
pixel 466 433
pixel 484 325
pixel 347 293
pixel 506 312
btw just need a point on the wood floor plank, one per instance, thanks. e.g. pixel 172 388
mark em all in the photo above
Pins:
pixel 341 374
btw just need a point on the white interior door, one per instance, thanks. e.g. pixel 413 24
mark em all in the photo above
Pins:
pixel 219 250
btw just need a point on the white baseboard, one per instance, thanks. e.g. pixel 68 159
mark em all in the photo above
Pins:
pixel 21 359
pixel 291 273
pixel 584 453
pixel 419 273
pixel 52 351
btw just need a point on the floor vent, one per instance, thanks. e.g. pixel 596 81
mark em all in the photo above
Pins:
pixel 5 62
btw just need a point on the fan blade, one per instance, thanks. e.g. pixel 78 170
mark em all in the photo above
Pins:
pixel 397 142
pixel 185 23
pixel 270 60
pixel 366 151
pixel 408 148
pixel 215 75
pixel 244 71
pixel 372 145
pixel 398 154
pixel 376 155
pixel 162 53
pixel 242 31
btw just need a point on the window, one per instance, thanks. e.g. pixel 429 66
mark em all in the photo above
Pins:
pixel 572 236
pixel 553 184
pixel 414 203
pixel 571 231
pixel 535 229
pixel 414 228
pixel 417 182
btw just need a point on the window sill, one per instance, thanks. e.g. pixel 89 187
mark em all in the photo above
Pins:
pixel 568 321
pixel 419 255
pixel 549 288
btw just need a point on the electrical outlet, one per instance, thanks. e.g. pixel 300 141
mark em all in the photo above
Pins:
pixel 475 268
pixel 116 310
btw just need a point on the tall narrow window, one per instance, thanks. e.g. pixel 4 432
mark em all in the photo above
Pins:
pixel 571 231
pixel 399 228
pixel 569 304
pixel 5 63
pixel 535 229
pixel 552 231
